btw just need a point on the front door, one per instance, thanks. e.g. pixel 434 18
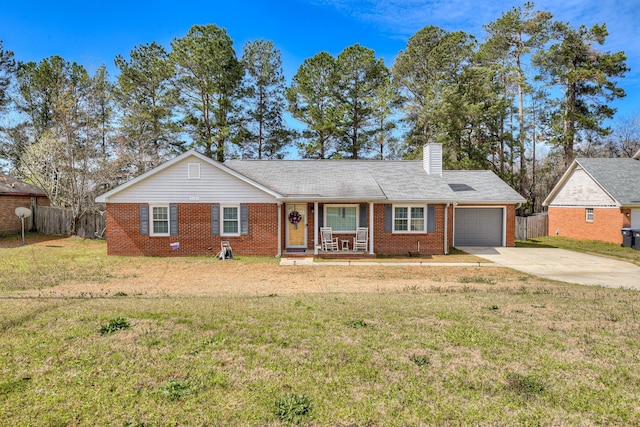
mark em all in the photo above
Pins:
pixel 296 219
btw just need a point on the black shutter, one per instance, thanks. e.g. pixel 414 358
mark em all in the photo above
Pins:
pixel 144 220
pixel 388 218
pixel 215 219
pixel 363 215
pixel 173 220
pixel 431 219
pixel 320 216
pixel 244 219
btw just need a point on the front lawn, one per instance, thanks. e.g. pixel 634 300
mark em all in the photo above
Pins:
pixel 195 341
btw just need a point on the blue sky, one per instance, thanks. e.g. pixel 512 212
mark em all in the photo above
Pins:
pixel 94 32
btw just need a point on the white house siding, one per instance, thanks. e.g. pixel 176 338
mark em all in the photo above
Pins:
pixel 581 190
pixel 171 185
pixel 635 218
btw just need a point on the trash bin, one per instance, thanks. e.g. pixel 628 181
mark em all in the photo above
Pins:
pixel 627 238
pixel 636 235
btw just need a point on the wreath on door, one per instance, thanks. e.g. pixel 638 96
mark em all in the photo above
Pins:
pixel 295 218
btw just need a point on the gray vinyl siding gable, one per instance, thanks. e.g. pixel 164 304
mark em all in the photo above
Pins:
pixel 172 185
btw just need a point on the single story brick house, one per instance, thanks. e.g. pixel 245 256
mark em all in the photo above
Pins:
pixel 13 194
pixel 191 203
pixel 595 199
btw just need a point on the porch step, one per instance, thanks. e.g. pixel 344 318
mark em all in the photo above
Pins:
pixel 329 255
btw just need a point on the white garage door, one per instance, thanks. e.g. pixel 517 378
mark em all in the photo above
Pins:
pixel 478 227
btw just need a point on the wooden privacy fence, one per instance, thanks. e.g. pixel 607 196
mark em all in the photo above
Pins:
pixel 59 221
pixel 530 227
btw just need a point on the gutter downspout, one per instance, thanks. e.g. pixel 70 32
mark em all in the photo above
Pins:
pixel 446 229
pixel 279 230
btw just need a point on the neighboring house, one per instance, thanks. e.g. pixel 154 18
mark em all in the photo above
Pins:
pixel 275 207
pixel 15 193
pixel 595 199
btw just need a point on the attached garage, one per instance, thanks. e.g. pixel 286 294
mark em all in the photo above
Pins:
pixel 478 226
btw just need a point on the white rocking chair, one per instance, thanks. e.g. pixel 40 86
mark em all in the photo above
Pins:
pixel 361 241
pixel 329 243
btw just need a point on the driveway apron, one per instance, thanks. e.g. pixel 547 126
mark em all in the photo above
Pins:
pixel 564 265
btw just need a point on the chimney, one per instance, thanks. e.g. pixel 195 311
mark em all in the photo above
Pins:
pixel 432 158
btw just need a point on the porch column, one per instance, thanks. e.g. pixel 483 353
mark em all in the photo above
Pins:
pixel 315 226
pixel 279 230
pixel 371 228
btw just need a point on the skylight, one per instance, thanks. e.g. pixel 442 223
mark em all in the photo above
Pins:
pixel 461 187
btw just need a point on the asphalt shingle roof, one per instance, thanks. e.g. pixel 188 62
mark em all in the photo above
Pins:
pixel 372 180
pixel 9 185
pixel 619 177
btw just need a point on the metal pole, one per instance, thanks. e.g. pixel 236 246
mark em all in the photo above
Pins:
pixel 22 221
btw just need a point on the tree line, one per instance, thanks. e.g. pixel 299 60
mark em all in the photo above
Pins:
pixel 533 82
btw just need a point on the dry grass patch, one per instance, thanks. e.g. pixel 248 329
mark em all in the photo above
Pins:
pixel 248 342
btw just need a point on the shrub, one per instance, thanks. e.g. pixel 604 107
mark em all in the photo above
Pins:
pixel 115 325
pixel 291 407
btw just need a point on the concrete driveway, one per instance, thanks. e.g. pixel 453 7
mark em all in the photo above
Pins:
pixel 563 265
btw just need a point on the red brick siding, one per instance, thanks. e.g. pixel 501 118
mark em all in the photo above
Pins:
pixel 194 226
pixel 9 222
pixel 123 232
pixel 606 225
pixel 510 240
pixel 396 244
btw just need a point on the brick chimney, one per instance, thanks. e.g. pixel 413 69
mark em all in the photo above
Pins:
pixel 432 158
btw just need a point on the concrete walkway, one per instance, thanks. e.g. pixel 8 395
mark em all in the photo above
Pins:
pixel 309 261
pixel 563 265
pixel 550 263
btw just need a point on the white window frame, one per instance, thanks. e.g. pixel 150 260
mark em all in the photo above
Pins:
pixel 193 170
pixel 342 206
pixel 237 220
pixel 589 214
pixel 152 220
pixel 409 219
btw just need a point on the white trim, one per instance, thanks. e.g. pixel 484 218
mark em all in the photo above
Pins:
pixel 371 228
pixel 316 216
pixel 238 220
pixel 279 207
pixel 446 225
pixel 588 211
pixel 408 230
pixel 151 221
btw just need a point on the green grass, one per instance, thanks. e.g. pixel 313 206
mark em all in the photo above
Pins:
pixel 554 357
pixel 542 353
pixel 587 246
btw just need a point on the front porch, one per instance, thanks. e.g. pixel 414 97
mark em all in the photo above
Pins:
pixel 303 222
